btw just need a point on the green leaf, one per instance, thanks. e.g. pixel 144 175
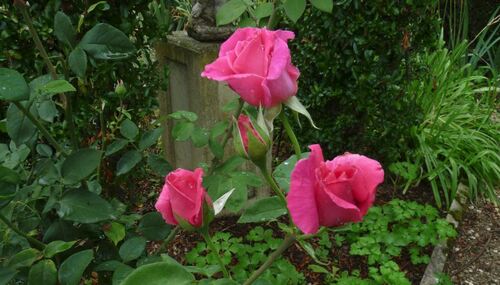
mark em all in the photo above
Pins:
pixel 109 265
pixel 294 9
pixel 153 227
pixel 104 6
pixel 47 110
pixel 294 104
pixel 264 209
pixel 323 5
pixel 128 161
pixel 283 171
pixel 6 274
pixel 72 268
pixel 129 129
pixel 230 11
pixel 199 137
pixel 24 258
pixel 9 176
pixel 150 138
pixel 63 29
pixel 132 248
pixel 121 272
pixel 77 62
pixel 94 186
pixel 56 247
pixel 159 165
pixel 19 128
pixel 182 130
pixel 80 164
pixel 44 272
pixel 104 41
pixel 115 232
pixel 264 10
pixel 159 273
pixel 115 146
pixel 84 207
pixel 13 87
pixel 184 115
pixel 57 86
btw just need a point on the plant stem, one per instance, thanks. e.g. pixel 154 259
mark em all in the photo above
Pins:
pixel 287 242
pixel 227 136
pixel 272 18
pixel 66 100
pixel 34 242
pixel 291 134
pixel 272 183
pixel 212 247
pixel 42 129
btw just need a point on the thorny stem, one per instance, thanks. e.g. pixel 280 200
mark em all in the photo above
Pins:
pixel 272 18
pixel 287 242
pixel 34 242
pixel 291 134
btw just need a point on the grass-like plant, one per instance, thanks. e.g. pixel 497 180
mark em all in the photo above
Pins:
pixel 458 139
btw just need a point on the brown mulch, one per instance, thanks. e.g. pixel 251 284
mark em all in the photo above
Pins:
pixel 474 257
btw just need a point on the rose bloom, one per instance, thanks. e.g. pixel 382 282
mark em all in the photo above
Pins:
pixel 332 193
pixel 256 64
pixel 182 197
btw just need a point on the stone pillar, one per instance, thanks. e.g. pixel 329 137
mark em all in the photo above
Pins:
pixel 187 90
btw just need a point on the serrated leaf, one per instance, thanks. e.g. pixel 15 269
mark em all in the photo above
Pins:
pixel 104 41
pixel 116 146
pixel 84 207
pixel 323 5
pixel 182 130
pixel 57 86
pixel 56 247
pixel 63 29
pixel 80 164
pixel 184 115
pixel 153 227
pixel 150 138
pixel 115 232
pixel 129 129
pixel 43 272
pixel 72 268
pixel 132 248
pixel 159 165
pixel 77 62
pixel 160 273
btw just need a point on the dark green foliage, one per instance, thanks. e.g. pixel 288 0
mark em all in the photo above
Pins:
pixel 354 64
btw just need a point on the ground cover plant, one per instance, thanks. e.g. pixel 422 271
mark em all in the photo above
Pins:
pixel 67 216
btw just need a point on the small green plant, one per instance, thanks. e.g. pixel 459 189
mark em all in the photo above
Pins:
pixel 383 235
pixel 246 254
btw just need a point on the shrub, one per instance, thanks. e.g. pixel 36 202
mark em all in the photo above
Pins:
pixel 354 64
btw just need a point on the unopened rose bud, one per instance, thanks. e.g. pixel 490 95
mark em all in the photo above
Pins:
pixel 251 141
pixel 120 88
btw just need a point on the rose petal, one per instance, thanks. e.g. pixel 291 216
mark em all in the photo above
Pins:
pixel 332 209
pixel 251 88
pixel 186 194
pixel 218 70
pixel 301 199
pixel 164 207
pixel 242 34
pixel 284 87
pixel 252 58
pixel 285 35
pixel 369 175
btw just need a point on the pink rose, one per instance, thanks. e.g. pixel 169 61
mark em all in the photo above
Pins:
pixel 183 197
pixel 334 192
pixel 256 64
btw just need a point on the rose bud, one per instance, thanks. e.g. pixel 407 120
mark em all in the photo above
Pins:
pixel 334 192
pixel 183 200
pixel 251 140
pixel 256 63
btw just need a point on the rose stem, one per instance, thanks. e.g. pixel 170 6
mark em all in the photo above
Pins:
pixel 291 134
pixel 227 136
pixel 213 249
pixel 287 242
pixel 36 243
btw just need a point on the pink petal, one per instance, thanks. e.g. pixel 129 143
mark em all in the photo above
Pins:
pixel 218 70
pixel 369 175
pixel 252 59
pixel 280 58
pixel 251 89
pixel 186 194
pixel 164 207
pixel 285 35
pixel 301 199
pixel 332 209
pixel 242 34
pixel 283 87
